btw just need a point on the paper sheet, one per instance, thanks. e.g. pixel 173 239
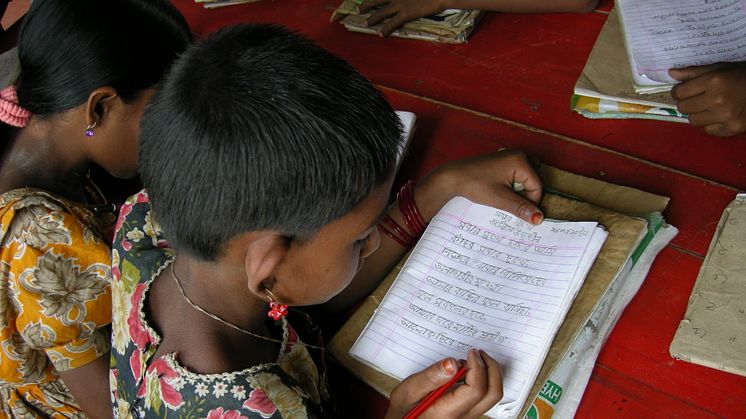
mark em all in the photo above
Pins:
pixel 713 332
pixel 664 34
pixel 482 278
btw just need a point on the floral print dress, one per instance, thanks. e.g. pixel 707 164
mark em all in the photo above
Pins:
pixel 147 386
pixel 54 300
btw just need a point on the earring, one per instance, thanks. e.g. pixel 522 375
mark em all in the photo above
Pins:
pixel 89 129
pixel 276 310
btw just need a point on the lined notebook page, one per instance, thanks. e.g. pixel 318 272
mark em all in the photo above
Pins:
pixel 480 277
pixel 663 34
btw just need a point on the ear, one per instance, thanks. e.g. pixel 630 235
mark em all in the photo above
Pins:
pixel 264 253
pixel 99 105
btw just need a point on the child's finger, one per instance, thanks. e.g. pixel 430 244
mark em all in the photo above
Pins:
pixel 494 386
pixel 367 5
pixel 686 73
pixel 689 88
pixel 694 104
pixel 519 206
pixel 474 389
pixel 701 119
pixel 415 387
pixel 397 21
pixel 380 14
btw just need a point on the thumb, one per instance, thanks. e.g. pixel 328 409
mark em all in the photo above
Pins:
pixel 415 387
pixel 686 73
pixel 521 207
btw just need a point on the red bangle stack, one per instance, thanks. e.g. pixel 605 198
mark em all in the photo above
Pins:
pixel 412 219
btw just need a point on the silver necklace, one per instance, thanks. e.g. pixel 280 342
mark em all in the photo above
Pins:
pixel 225 322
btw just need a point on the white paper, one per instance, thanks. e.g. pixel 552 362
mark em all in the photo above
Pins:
pixel 481 277
pixel 665 34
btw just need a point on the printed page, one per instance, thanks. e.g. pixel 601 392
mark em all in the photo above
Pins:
pixel 483 278
pixel 664 34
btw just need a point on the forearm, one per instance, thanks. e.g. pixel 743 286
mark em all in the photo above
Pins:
pixel 89 386
pixel 523 6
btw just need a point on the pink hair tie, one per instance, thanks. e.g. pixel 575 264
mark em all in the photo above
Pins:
pixel 11 112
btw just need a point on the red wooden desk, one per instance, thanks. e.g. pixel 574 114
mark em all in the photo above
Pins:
pixel 511 86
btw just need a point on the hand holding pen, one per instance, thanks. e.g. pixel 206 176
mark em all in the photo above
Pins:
pixel 436 393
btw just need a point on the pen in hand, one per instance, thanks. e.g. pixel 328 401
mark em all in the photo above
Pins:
pixel 425 403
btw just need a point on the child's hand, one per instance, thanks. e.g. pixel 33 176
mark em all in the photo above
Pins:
pixel 482 388
pixel 714 96
pixel 491 179
pixel 400 12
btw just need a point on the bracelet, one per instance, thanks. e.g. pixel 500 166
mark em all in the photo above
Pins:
pixel 408 208
pixel 399 230
pixel 393 236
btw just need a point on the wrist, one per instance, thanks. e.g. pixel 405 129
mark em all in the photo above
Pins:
pixel 432 192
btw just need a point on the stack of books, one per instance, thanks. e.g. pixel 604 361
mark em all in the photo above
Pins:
pixel 450 26
pixel 626 75
pixel 485 279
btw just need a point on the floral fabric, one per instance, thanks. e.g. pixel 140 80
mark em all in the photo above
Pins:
pixel 54 300
pixel 147 386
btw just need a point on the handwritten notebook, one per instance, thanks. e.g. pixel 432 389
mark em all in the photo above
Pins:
pixel 713 331
pixel 480 277
pixel 664 34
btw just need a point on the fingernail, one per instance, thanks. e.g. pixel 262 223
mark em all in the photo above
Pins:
pixel 448 366
pixel 477 354
pixel 537 217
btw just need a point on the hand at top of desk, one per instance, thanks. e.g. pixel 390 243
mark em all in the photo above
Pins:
pixel 714 96
pixel 400 12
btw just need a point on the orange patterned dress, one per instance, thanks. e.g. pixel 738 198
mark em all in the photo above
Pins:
pixel 54 300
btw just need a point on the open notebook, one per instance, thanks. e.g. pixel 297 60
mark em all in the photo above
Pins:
pixel 664 34
pixel 481 277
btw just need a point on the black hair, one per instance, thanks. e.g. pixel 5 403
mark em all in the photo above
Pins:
pixel 258 128
pixel 68 48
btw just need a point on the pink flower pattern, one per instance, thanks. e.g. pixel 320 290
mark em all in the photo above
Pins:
pixel 219 413
pixel 258 402
pixel 144 383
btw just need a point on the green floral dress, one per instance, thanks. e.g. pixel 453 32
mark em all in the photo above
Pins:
pixel 146 386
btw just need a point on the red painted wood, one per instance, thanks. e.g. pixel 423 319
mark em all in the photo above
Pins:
pixel 445 134
pixel 610 394
pixel 520 67
pixel 638 346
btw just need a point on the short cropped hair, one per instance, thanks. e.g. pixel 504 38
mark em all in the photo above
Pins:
pixel 68 48
pixel 258 128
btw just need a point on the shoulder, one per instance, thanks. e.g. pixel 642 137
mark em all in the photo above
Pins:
pixel 40 219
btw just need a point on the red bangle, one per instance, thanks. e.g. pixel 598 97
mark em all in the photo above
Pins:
pixel 393 236
pixel 408 208
pixel 399 230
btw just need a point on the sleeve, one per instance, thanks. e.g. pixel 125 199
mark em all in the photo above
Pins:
pixel 62 287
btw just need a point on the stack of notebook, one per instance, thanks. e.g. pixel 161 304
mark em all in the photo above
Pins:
pixel 450 26
pixel 626 75
pixel 540 299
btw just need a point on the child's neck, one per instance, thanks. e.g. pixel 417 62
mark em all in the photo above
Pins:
pixel 203 344
pixel 43 156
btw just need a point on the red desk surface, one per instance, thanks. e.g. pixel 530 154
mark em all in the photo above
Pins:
pixel 510 86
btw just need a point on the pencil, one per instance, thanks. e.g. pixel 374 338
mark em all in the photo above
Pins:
pixel 434 395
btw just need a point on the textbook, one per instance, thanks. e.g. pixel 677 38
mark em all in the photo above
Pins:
pixel 627 239
pixel 664 34
pixel 605 89
pixel 450 26
pixel 481 278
